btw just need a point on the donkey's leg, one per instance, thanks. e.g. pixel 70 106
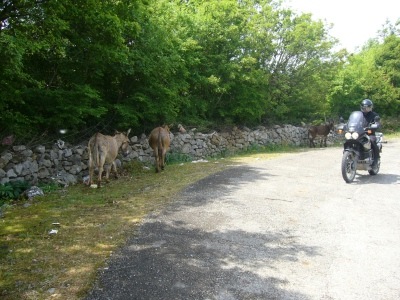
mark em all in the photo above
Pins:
pixel 157 159
pixel 159 163
pixel 91 171
pixel 114 169
pixel 164 152
pixel 108 169
pixel 101 169
pixel 99 175
pixel 312 144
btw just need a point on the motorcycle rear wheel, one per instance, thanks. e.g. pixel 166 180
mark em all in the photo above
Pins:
pixel 349 166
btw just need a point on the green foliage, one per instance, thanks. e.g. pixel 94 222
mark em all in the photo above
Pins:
pixel 372 73
pixel 49 187
pixel 174 157
pixel 12 190
pixel 390 125
pixel 108 65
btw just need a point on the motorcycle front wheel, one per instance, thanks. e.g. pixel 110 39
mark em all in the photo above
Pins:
pixel 349 166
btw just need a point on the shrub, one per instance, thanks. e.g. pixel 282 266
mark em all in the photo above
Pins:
pixel 12 190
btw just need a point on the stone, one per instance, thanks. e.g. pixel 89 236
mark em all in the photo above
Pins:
pixel 11 174
pixel 40 149
pixel 33 191
pixel 67 153
pixel 19 148
pixel 5 158
pixel 43 173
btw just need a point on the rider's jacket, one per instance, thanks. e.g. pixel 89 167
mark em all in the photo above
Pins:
pixel 371 118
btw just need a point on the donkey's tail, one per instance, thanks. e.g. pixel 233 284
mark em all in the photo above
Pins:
pixel 94 155
pixel 160 143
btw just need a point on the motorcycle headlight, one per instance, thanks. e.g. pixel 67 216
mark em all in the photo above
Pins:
pixel 349 135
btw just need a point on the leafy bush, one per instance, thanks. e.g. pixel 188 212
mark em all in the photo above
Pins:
pixel 390 125
pixel 12 190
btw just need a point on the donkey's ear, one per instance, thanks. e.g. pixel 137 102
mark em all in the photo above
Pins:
pixel 129 130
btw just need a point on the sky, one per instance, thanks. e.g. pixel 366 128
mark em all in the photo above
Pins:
pixel 354 21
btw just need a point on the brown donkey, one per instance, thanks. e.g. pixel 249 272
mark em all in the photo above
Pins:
pixel 321 131
pixel 103 149
pixel 159 141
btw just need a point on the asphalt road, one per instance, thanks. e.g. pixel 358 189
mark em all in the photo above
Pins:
pixel 284 228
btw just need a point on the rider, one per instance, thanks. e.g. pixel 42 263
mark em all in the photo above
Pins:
pixel 372 118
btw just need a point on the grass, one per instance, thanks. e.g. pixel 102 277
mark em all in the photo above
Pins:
pixel 91 224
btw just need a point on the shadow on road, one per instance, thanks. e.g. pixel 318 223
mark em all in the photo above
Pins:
pixel 219 184
pixel 173 260
pixel 381 178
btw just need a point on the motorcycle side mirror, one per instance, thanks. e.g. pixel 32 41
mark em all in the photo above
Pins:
pixel 377 118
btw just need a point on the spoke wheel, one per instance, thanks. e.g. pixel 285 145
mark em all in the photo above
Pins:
pixel 349 166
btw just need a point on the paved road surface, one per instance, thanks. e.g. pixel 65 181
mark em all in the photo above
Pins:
pixel 285 228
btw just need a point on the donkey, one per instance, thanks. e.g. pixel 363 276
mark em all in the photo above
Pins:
pixel 159 141
pixel 103 149
pixel 321 131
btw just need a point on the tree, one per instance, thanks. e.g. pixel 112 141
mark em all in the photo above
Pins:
pixel 372 73
pixel 62 69
pixel 104 65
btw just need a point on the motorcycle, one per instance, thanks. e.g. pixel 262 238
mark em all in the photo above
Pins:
pixel 358 153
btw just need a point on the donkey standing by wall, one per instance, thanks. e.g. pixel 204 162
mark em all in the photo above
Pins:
pixel 321 131
pixel 103 149
pixel 159 141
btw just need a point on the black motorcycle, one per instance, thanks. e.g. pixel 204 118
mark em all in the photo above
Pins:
pixel 358 153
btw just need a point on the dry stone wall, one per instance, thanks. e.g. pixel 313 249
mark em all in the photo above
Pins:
pixel 68 164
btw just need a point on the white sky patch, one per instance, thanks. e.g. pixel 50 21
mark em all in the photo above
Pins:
pixel 354 21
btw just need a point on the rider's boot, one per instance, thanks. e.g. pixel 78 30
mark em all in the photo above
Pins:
pixel 376 158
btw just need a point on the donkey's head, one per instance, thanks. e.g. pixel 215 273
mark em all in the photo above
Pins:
pixel 123 141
